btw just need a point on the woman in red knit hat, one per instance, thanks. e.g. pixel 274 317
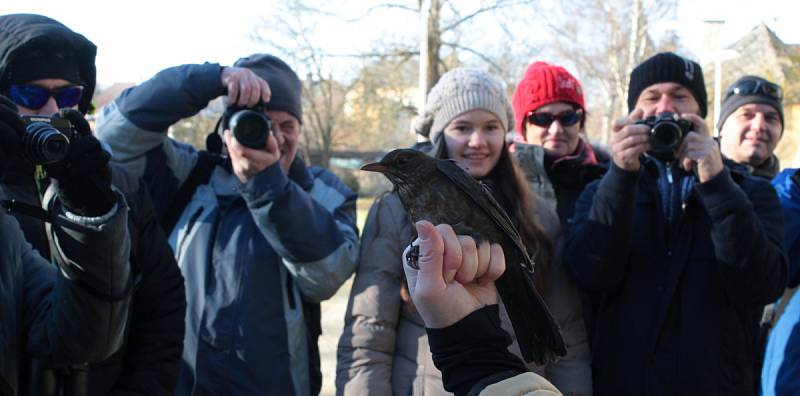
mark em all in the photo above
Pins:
pixel 558 162
pixel 551 145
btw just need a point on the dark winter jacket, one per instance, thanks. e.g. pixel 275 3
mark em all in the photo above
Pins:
pixel 148 362
pixel 781 372
pixel 258 257
pixel 681 300
pixel 560 181
pixel 46 316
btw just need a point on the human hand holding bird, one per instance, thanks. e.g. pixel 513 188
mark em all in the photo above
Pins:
pixel 440 192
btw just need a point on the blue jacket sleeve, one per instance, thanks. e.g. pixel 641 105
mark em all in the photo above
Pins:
pixel 789 195
pixel 597 248
pixel 135 126
pixel 309 219
pixel 747 230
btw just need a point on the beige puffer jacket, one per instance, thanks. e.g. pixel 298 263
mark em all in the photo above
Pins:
pixel 384 348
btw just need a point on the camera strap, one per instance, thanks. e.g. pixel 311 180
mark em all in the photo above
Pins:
pixel 12 205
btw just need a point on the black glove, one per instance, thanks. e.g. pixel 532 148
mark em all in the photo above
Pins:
pixel 11 131
pixel 83 179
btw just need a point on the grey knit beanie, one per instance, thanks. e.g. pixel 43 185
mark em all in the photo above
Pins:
pixel 461 90
pixel 286 88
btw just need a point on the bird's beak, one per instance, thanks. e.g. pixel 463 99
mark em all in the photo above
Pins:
pixel 374 167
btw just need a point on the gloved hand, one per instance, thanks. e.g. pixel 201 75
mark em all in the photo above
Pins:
pixel 11 131
pixel 83 179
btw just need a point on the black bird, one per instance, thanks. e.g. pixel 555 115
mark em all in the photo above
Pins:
pixel 442 192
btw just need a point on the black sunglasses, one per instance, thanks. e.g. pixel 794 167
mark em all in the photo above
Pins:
pixel 35 96
pixel 756 87
pixel 567 118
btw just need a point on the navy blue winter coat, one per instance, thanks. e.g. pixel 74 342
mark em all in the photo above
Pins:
pixel 681 300
pixel 257 257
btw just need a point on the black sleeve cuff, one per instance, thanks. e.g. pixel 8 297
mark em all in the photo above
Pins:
pixel 473 349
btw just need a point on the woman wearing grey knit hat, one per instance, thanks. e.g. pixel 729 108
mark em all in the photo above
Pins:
pixel 384 348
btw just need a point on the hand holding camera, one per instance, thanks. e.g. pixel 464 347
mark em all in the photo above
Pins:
pixel 628 141
pixel 666 136
pixel 699 152
pixel 248 130
pixel 82 176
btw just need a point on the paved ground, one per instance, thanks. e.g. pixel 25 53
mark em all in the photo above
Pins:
pixel 333 318
pixel 332 323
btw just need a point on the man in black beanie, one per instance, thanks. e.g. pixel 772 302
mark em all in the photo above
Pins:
pixel 751 124
pixel 260 237
pixel 46 69
pixel 685 250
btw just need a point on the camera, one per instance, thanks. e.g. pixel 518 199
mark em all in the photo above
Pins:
pixel 250 126
pixel 46 139
pixel 666 132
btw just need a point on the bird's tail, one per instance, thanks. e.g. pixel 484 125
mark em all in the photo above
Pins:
pixel 537 333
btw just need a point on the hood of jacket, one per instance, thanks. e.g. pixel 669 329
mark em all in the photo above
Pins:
pixel 19 32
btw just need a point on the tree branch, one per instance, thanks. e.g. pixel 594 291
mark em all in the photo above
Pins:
pixel 474 52
pixel 495 6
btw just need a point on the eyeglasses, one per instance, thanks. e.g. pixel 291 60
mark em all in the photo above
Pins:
pixel 568 118
pixel 35 97
pixel 755 87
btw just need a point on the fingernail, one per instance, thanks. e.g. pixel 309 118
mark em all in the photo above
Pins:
pixel 423 230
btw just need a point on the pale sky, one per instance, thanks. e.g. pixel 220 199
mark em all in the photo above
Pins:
pixel 137 39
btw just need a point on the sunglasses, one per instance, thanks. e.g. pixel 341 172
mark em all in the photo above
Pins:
pixel 568 118
pixel 756 87
pixel 35 97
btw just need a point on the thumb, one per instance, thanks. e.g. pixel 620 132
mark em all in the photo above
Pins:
pixel 431 256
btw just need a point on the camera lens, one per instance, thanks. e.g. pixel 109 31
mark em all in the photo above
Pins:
pixel 44 144
pixel 665 136
pixel 250 128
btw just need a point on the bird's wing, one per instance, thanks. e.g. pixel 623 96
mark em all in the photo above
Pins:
pixel 482 197
pixel 537 332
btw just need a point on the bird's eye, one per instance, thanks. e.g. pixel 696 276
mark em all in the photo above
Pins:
pixel 402 160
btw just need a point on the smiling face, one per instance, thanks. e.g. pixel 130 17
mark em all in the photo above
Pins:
pixel 557 138
pixel 475 140
pixel 750 134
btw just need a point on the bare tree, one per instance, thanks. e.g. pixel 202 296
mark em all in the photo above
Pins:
pixel 605 40
pixel 445 41
pixel 290 32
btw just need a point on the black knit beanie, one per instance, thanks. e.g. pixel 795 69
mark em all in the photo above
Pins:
pixel 35 63
pixel 283 83
pixel 736 100
pixel 668 67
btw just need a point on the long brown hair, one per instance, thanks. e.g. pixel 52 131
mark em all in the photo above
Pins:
pixel 521 205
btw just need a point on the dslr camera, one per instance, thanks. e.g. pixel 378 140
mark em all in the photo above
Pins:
pixel 46 139
pixel 250 126
pixel 666 132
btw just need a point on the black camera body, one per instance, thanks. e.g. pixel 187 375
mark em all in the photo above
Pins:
pixel 250 126
pixel 667 131
pixel 46 139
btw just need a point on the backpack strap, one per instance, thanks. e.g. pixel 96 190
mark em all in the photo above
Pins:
pixel 201 174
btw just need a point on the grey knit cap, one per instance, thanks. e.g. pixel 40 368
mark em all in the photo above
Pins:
pixel 461 90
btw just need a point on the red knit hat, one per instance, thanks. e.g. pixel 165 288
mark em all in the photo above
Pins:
pixel 543 84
